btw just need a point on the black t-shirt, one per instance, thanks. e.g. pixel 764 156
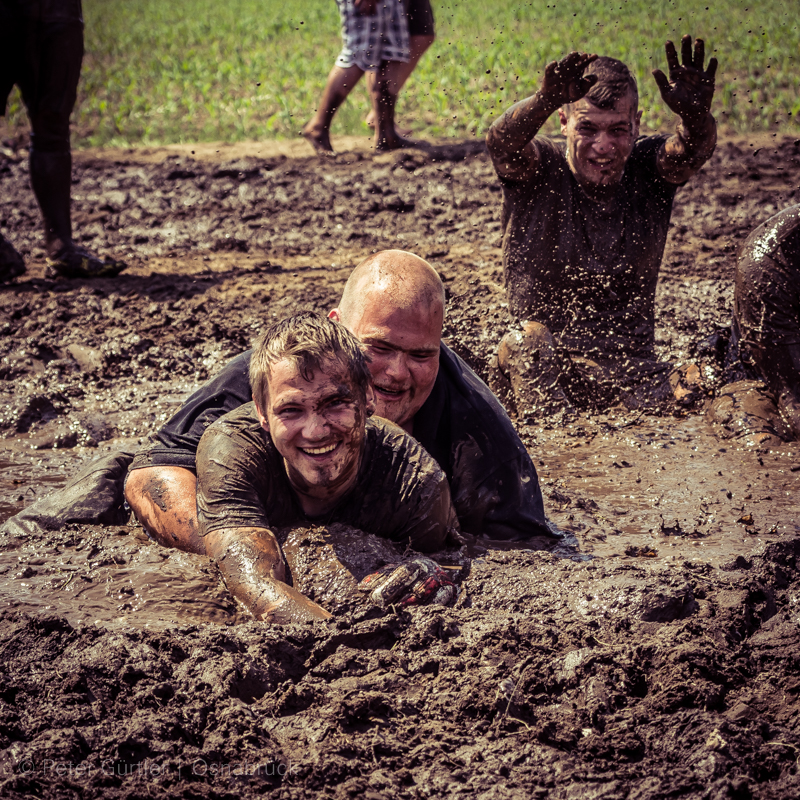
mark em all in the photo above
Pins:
pixel 493 482
pixel 766 302
pixel 766 305
pixel 584 268
pixel 400 491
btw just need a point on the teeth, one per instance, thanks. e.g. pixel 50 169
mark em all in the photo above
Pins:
pixel 318 451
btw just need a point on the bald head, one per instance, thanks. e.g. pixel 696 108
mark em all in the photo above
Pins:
pixel 392 277
pixel 394 303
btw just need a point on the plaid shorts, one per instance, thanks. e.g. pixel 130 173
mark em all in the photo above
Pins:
pixel 369 41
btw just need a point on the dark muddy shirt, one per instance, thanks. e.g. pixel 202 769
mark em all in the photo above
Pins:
pixel 584 268
pixel 398 494
pixel 767 298
pixel 766 304
pixel 493 482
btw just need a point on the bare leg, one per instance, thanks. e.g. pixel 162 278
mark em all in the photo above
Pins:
pixel 384 99
pixel 340 83
pixel 400 71
pixel 164 500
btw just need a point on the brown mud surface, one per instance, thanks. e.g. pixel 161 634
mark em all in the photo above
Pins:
pixel 654 653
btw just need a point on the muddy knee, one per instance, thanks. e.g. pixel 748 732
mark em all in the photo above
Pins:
pixel 533 342
pixel 164 500
pixel 528 358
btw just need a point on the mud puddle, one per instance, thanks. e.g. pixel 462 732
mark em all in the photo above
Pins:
pixel 667 489
pixel 113 578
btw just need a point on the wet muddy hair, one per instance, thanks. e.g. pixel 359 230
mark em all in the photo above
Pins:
pixel 614 81
pixel 309 341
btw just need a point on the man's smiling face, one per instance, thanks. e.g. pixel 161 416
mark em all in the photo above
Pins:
pixel 403 346
pixel 599 141
pixel 317 425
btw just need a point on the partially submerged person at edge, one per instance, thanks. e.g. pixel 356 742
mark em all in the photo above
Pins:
pixel 304 452
pixel 394 303
pixel 585 222
pixel 766 314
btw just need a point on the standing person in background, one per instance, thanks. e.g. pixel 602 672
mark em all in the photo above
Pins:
pixel 375 38
pixel 41 50
pixel 421 35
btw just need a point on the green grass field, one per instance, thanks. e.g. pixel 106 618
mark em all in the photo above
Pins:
pixel 204 70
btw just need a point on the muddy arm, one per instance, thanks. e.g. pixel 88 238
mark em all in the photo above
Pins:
pixel 510 139
pixel 688 92
pixel 165 503
pixel 251 563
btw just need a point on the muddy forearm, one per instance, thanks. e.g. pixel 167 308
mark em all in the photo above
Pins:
pixel 509 140
pixel 251 563
pixel 688 148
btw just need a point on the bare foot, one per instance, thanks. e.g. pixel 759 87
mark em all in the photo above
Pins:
pixel 399 132
pixel 319 139
pixel 395 142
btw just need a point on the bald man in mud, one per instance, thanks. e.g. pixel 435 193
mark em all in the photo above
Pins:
pixel 394 303
pixel 585 223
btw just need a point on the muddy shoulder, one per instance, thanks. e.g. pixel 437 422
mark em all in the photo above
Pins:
pixel 661 659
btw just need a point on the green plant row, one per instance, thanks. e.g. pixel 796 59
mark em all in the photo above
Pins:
pixel 204 70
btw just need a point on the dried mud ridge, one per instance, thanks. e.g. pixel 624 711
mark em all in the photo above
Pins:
pixel 612 678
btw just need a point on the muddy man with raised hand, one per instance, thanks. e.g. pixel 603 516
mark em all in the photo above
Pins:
pixel 585 223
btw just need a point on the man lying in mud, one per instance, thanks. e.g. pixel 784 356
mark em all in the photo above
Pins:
pixel 305 452
pixel 766 312
pixel 585 222
pixel 394 303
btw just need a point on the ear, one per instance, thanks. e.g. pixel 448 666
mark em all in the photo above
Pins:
pixel 261 418
pixel 636 121
pixel 371 404
pixel 335 315
pixel 562 118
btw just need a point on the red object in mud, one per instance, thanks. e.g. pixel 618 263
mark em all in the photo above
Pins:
pixel 420 581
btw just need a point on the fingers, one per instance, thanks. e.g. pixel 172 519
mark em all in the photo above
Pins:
pixel 699 53
pixel 575 62
pixel 672 56
pixel 686 50
pixel 661 81
pixel 587 82
pixel 712 69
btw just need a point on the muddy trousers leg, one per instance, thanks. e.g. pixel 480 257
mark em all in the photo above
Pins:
pixel 779 365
